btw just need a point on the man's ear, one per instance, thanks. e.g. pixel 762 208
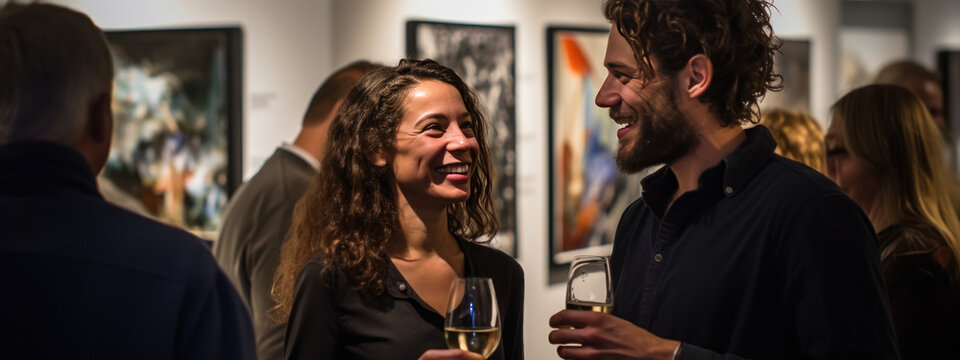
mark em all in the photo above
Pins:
pixel 100 118
pixel 698 75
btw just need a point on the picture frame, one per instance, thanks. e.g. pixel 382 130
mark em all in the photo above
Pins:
pixel 587 193
pixel 485 57
pixel 177 151
pixel 792 62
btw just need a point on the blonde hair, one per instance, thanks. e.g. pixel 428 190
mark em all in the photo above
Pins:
pixel 799 136
pixel 889 128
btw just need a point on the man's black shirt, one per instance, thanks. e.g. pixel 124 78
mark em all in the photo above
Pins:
pixel 767 259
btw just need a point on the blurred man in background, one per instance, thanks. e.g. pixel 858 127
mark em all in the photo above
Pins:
pixel 258 216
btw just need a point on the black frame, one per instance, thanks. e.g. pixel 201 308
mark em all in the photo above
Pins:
pixel 508 213
pixel 232 40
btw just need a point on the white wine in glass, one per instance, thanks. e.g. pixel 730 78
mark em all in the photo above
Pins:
pixel 473 318
pixel 588 284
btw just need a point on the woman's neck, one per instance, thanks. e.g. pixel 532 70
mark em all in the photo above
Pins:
pixel 879 217
pixel 425 231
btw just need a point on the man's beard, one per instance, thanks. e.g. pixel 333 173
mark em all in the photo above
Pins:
pixel 664 134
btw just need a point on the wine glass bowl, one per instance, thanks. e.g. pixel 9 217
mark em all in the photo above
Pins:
pixel 472 322
pixel 589 284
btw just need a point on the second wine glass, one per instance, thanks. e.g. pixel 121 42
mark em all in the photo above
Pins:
pixel 473 317
pixel 588 284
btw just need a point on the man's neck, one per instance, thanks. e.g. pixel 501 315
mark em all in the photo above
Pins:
pixel 714 144
pixel 312 140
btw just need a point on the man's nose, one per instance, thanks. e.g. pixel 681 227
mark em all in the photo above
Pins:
pixel 607 96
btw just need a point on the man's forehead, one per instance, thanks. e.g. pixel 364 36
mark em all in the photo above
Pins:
pixel 619 53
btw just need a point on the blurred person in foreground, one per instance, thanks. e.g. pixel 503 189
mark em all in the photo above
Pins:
pixel 84 278
pixel 732 251
pixel 799 136
pixel 259 215
pixel 883 151
pixel 391 221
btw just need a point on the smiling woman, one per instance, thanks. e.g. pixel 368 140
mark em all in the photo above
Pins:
pixel 390 223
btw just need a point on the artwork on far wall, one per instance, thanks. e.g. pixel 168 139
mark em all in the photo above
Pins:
pixel 793 63
pixel 866 50
pixel 587 192
pixel 176 153
pixel 484 56
pixel 948 65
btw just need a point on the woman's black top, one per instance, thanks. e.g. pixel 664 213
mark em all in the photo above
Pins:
pixel 921 276
pixel 331 320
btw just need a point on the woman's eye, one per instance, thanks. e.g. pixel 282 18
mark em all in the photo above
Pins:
pixel 432 127
pixel 466 125
pixel 836 151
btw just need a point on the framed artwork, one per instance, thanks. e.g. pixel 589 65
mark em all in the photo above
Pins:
pixel 793 63
pixel 948 65
pixel 485 57
pixel 587 192
pixel 176 153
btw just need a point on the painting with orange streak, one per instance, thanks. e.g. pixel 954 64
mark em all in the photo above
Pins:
pixel 587 192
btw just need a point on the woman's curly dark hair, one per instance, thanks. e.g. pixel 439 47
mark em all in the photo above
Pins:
pixel 349 213
pixel 735 34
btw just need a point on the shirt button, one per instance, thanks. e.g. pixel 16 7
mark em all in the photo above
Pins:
pixel 658 257
pixel 729 190
pixel 402 286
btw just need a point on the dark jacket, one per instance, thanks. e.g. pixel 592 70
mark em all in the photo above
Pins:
pixel 84 279
pixel 921 275
pixel 254 225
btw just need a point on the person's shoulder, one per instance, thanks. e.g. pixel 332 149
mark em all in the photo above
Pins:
pixel 279 179
pixel 488 255
pixel 146 245
pixel 912 238
pixel 796 179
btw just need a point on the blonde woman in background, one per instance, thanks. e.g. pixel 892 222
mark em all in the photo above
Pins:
pixel 883 150
pixel 799 136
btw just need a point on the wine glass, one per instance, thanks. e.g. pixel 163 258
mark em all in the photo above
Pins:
pixel 588 284
pixel 473 318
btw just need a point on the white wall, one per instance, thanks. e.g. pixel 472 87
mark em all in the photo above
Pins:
pixel 286 54
pixel 819 22
pixel 936 27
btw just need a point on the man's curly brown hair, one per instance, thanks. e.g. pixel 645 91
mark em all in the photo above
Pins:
pixel 735 35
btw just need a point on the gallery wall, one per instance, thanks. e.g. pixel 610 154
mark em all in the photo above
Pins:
pixel 936 27
pixel 286 54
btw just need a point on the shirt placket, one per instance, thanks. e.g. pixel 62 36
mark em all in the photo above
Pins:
pixel 667 233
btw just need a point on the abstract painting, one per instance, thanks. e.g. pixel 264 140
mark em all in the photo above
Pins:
pixel 484 57
pixel 176 152
pixel 587 192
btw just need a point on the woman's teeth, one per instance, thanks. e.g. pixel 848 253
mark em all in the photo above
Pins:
pixel 454 169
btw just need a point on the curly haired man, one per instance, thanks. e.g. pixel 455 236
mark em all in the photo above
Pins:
pixel 732 252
